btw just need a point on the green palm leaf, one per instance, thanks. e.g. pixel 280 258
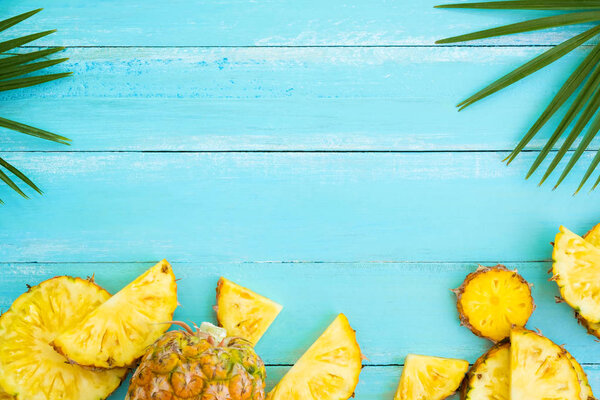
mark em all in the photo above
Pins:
pixel 582 87
pixel 15 73
pixel 530 5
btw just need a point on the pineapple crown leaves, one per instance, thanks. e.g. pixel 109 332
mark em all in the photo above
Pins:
pixel 16 71
pixel 581 89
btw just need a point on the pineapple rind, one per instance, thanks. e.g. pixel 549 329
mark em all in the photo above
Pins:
pixel 575 269
pixel 328 370
pixel 430 378
pixel 585 388
pixel 492 300
pixel 118 332
pixel 489 377
pixel 540 369
pixel 244 313
pixel 32 370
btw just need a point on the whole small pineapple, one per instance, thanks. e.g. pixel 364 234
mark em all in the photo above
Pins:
pixel 197 365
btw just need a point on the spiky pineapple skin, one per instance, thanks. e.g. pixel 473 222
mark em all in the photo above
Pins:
pixel 181 365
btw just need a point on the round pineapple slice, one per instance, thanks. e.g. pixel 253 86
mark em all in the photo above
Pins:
pixel 576 269
pixel 31 369
pixel 244 313
pixel 540 369
pixel 431 378
pixel 492 300
pixel 489 377
pixel 118 332
pixel 328 370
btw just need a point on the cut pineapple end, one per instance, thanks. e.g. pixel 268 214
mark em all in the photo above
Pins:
pixel 431 378
pixel 328 370
pixel 489 377
pixel 492 300
pixel 576 269
pixel 244 313
pixel 118 332
pixel 31 369
pixel 540 369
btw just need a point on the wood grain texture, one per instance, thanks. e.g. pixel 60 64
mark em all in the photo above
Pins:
pixel 285 207
pixel 285 99
pixel 266 23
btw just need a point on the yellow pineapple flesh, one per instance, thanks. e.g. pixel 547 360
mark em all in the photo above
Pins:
pixel 328 370
pixel 30 368
pixel 576 269
pixel 244 313
pixel 5 396
pixel 430 378
pixel 492 300
pixel 489 377
pixel 540 369
pixel 119 331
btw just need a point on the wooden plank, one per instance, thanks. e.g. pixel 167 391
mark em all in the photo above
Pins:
pixel 395 308
pixel 285 207
pixel 274 22
pixel 285 99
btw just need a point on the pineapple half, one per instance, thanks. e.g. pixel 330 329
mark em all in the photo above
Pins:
pixel 576 269
pixel 430 378
pixel 30 368
pixel 119 331
pixel 489 377
pixel 540 369
pixel 492 300
pixel 244 313
pixel 328 370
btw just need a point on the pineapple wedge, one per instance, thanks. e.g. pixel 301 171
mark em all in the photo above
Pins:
pixel 492 300
pixel 593 236
pixel 430 378
pixel 593 328
pixel 119 331
pixel 328 370
pixel 30 368
pixel 489 377
pixel 576 269
pixel 244 313
pixel 540 369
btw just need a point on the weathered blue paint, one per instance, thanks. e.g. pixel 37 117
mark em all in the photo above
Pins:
pixel 207 87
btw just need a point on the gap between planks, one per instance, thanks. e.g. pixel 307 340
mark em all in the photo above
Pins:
pixel 315 151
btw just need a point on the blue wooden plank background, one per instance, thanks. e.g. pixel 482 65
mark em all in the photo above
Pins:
pixel 309 150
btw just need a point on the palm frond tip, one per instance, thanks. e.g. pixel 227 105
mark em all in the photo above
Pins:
pixel 581 88
pixel 15 73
